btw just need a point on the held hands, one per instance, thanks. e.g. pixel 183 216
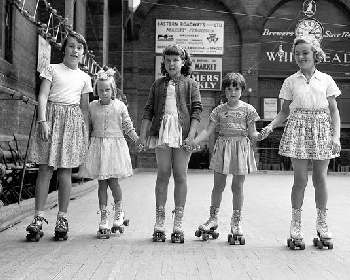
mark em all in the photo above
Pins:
pixel 189 145
pixel 43 130
pixel 265 132
pixel 140 145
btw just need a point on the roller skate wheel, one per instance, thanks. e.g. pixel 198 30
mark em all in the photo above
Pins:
pixel 113 229
pixel 315 241
pixel 292 245
pixel 229 238
pixel 302 246
pixel 242 240
pixel 289 240
pixel 215 235
pixel 121 230
pixel 319 244
pixel 182 239
pixel 126 222
pixel 330 246
pixel 198 233
pixel 172 238
pixel 205 236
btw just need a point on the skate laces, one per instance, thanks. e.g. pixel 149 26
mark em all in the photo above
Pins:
pixel 62 223
pixel 38 220
pixel 178 213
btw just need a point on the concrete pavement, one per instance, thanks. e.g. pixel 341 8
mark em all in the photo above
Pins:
pixel 133 256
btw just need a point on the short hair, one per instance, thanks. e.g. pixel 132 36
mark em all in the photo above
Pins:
pixel 77 36
pixel 319 54
pixel 185 56
pixel 234 79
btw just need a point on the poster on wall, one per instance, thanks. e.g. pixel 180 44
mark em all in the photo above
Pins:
pixel 44 53
pixel 207 71
pixel 197 36
pixel 270 108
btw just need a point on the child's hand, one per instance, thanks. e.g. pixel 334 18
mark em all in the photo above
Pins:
pixel 336 147
pixel 44 130
pixel 140 147
pixel 265 132
pixel 189 145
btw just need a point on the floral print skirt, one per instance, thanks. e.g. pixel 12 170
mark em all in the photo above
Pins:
pixel 307 135
pixel 68 139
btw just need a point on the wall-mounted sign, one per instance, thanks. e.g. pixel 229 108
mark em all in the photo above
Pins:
pixel 270 108
pixel 44 53
pixel 196 36
pixel 207 71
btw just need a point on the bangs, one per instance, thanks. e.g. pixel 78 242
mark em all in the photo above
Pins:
pixel 173 50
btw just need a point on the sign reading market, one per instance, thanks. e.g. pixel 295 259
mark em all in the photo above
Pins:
pixel 196 36
pixel 206 71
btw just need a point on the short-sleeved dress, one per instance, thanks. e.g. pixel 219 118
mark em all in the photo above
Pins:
pixel 233 153
pixel 68 139
pixel 307 134
pixel 108 154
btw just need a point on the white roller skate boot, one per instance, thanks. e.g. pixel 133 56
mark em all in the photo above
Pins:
pixel 296 234
pixel 34 229
pixel 103 227
pixel 324 236
pixel 61 228
pixel 209 227
pixel 119 220
pixel 236 235
pixel 178 233
pixel 159 229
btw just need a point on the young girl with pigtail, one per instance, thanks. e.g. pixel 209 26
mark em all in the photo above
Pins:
pixel 108 158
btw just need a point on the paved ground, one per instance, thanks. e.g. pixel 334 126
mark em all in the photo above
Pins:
pixel 133 255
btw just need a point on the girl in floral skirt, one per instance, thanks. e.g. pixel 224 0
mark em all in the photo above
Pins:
pixel 60 139
pixel 312 132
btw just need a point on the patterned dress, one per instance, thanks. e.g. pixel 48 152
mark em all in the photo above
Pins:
pixel 233 153
pixel 307 134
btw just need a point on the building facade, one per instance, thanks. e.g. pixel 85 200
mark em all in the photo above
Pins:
pixel 243 36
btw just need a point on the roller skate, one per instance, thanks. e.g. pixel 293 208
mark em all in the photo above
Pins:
pixel 61 228
pixel 236 236
pixel 34 229
pixel 103 229
pixel 178 234
pixel 324 236
pixel 119 221
pixel 296 235
pixel 209 227
pixel 159 230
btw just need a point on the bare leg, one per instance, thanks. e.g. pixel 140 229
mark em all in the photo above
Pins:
pixel 219 186
pixel 319 174
pixel 102 194
pixel 300 182
pixel 180 166
pixel 64 176
pixel 116 189
pixel 42 186
pixel 163 156
pixel 237 191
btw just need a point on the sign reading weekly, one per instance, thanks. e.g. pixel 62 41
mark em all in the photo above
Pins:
pixel 206 71
pixel 197 36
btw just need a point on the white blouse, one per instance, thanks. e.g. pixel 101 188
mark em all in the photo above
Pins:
pixel 312 95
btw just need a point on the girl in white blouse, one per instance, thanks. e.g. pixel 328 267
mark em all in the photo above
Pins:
pixel 108 157
pixel 312 132
pixel 60 138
